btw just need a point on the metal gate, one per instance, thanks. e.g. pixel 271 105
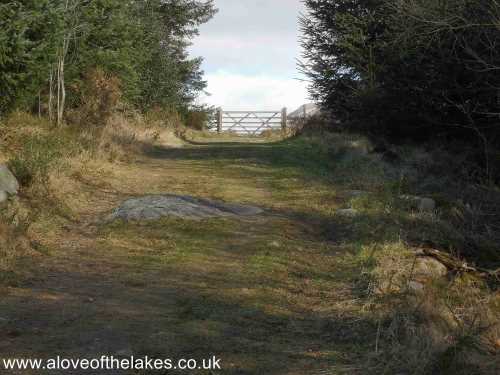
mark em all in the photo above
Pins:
pixel 250 122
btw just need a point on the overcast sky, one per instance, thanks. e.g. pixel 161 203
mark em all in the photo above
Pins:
pixel 251 49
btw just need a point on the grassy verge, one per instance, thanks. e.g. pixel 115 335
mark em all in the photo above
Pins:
pixel 50 164
pixel 447 324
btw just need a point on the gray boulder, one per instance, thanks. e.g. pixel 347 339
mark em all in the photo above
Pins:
pixel 426 205
pixel 361 147
pixel 429 268
pixel 416 287
pixel 154 207
pixel 8 181
pixel 426 270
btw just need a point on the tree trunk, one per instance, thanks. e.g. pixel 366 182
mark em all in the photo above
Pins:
pixel 58 89
pixel 51 95
pixel 61 86
pixel 39 104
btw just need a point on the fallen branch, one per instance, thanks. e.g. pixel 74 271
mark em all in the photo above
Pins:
pixel 458 265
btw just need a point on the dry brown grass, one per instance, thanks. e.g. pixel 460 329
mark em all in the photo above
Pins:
pixel 59 167
pixel 123 138
pixel 449 327
pixel 16 248
pixel 17 127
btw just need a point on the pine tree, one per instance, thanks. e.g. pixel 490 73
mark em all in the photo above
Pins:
pixel 47 47
pixel 409 70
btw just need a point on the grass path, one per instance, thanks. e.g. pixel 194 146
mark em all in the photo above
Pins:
pixel 268 295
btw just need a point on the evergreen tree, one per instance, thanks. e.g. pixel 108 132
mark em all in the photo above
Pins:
pixel 27 45
pixel 407 69
pixel 47 47
pixel 170 78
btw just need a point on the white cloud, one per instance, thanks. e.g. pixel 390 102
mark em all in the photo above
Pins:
pixel 266 54
pixel 234 91
pixel 250 52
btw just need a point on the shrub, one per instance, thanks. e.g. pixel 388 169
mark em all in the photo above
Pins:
pixel 198 118
pixel 163 118
pixel 100 96
pixel 37 157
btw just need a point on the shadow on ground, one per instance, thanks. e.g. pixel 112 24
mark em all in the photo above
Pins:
pixel 244 303
pixel 278 155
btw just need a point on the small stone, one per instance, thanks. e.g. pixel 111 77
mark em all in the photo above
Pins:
pixel 275 244
pixel 348 212
pixel 412 200
pixel 415 287
pixel 427 205
pixel 361 147
pixel 3 196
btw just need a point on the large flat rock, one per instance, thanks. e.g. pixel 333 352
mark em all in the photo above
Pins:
pixel 154 207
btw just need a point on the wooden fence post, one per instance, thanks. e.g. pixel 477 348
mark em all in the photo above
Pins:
pixel 219 120
pixel 284 117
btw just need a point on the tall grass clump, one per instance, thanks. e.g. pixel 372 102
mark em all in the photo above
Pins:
pixel 34 147
pixel 440 326
pixel 38 156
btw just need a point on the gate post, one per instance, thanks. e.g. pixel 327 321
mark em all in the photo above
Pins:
pixel 219 120
pixel 283 119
